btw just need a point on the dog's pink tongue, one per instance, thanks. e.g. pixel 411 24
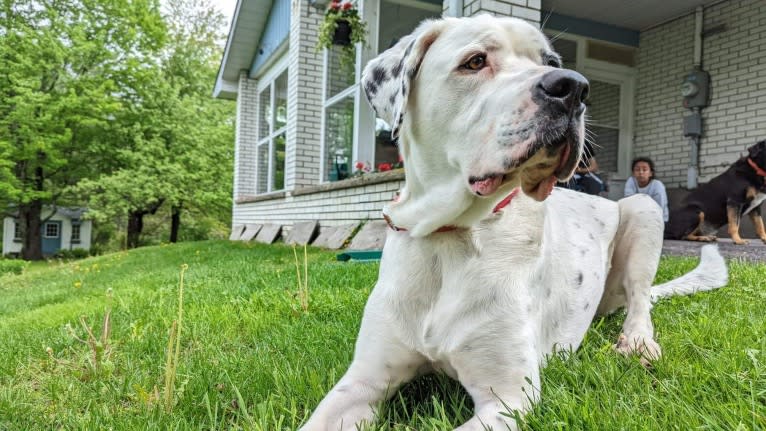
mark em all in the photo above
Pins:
pixel 545 188
pixel 488 186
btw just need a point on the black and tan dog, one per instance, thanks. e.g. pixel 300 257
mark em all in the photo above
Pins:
pixel 724 200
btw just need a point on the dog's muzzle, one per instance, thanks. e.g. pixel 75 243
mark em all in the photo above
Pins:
pixel 563 91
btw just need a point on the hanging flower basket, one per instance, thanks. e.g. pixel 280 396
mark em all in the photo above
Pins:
pixel 342 26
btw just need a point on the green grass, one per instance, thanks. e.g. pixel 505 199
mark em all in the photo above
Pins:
pixel 251 358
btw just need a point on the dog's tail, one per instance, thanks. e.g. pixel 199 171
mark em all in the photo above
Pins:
pixel 711 273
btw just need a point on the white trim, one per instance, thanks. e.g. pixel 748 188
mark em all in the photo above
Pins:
pixel 271 73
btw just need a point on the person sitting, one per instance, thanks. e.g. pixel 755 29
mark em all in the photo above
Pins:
pixel 643 181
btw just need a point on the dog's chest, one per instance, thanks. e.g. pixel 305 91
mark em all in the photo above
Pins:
pixel 529 293
pixel 757 200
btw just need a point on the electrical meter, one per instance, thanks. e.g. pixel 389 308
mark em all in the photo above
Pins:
pixel 695 89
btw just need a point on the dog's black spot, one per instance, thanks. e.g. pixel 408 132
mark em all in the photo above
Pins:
pixel 467 348
pixel 547 293
pixel 389 366
pixel 587 305
pixel 590 235
pixel 429 332
pixel 577 225
pixel 579 278
pixel 370 88
pixel 392 99
pixel 583 252
pixel 379 75
pixel 397 70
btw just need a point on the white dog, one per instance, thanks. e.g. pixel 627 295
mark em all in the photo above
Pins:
pixel 479 280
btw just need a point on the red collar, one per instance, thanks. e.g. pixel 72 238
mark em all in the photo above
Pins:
pixel 502 204
pixel 758 170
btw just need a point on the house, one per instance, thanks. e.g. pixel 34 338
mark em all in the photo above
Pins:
pixel 303 123
pixel 64 230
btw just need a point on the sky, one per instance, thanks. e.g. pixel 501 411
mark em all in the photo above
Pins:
pixel 227 7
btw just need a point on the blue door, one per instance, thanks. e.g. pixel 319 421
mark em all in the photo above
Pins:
pixel 51 237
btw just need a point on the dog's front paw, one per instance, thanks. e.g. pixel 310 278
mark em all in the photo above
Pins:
pixel 740 241
pixel 648 349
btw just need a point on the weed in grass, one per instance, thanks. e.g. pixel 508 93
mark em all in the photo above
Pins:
pixel 302 293
pixel 98 358
pixel 174 347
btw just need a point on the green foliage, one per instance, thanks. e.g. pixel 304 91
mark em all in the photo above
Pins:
pixel 251 358
pixel 109 104
pixel 173 140
pixel 75 253
pixel 12 266
pixel 335 13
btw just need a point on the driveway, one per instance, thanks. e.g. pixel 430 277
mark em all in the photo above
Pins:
pixel 755 251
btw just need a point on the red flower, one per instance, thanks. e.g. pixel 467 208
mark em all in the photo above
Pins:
pixel 359 166
pixel 383 167
pixel 347 6
pixel 335 5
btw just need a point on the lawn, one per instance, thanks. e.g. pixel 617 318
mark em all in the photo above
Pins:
pixel 251 357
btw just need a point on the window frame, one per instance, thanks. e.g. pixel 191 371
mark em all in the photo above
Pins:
pixel 17 231
pixel 76 227
pixel 49 224
pixel 268 83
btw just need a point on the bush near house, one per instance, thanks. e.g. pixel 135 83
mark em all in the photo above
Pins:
pixel 84 346
pixel 12 266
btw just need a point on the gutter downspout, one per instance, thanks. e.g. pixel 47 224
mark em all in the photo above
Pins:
pixel 692 172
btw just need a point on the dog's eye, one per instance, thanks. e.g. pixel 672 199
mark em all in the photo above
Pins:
pixel 477 62
pixel 552 61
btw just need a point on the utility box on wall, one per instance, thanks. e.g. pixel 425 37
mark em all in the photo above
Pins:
pixel 695 89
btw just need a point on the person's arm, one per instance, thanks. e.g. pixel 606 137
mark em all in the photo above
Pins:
pixel 662 199
pixel 592 167
pixel 630 187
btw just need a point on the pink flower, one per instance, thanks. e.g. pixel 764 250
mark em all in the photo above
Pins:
pixel 347 6
pixel 335 5
pixel 359 166
pixel 383 167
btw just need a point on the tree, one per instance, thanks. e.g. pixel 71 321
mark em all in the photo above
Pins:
pixel 64 65
pixel 179 136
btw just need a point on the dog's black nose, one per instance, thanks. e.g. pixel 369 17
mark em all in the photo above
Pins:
pixel 564 89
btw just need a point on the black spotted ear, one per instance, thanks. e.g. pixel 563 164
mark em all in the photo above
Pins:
pixel 388 78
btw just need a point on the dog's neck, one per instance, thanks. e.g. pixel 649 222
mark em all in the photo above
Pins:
pixel 758 170
pixel 447 228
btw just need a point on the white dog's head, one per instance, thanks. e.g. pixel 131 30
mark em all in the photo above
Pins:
pixel 480 105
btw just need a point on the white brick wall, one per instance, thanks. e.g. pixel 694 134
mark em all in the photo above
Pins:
pixel 304 98
pixel 525 9
pixel 245 137
pixel 330 208
pixel 735 60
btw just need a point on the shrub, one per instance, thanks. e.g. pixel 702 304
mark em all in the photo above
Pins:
pixel 75 253
pixel 12 266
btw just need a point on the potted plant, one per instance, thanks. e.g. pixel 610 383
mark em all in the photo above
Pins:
pixel 342 26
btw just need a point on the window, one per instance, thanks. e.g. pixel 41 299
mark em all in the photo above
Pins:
pixel 339 127
pixel 51 230
pixel 351 133
pixel 16 231
pixel 272 135
pixel 75 232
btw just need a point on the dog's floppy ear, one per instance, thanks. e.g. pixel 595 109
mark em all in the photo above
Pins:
pixel 388 78
pixel 756 149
